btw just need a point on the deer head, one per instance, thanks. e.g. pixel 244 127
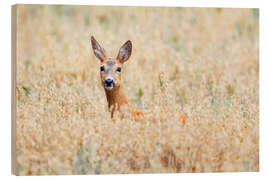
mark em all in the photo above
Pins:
pixel 110 68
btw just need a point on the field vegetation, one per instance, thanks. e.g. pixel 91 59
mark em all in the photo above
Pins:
pixel 202 63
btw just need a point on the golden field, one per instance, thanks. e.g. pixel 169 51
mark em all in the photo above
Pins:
pixel 201 62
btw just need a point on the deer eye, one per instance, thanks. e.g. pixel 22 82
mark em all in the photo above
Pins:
pixel 118 69
pixel 102 68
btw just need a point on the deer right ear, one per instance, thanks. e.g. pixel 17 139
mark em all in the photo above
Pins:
pixel 125 52
pixel 98 50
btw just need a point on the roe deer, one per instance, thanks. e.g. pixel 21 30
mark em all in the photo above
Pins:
pixel 110 73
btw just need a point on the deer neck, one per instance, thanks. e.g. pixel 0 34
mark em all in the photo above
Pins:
pixel 116 98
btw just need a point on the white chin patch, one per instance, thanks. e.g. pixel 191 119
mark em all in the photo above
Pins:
pixel 109 88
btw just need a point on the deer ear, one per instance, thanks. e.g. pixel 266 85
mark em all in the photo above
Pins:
pixel 98 50
pixel 125 52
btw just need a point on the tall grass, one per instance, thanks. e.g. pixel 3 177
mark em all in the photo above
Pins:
pixel 200 62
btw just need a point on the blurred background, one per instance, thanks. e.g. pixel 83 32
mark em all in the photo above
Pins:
pixel 203 62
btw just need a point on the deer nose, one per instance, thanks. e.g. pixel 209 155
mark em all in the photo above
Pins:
pixel 108 82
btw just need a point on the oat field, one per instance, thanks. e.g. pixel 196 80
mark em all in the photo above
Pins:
pixel 201 62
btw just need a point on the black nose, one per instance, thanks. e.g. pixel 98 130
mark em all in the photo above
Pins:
pixel 108 82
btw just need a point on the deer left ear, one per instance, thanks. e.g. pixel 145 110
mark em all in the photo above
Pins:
pixel 125 52
pixel 98 50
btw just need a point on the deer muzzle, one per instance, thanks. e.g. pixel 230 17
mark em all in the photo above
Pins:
pixel 109 83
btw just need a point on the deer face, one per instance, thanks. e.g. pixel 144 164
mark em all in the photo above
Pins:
pixel 110 68
pixel 110 73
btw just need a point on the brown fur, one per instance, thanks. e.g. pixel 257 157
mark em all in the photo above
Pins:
pixel 115 99
pixel 116 96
